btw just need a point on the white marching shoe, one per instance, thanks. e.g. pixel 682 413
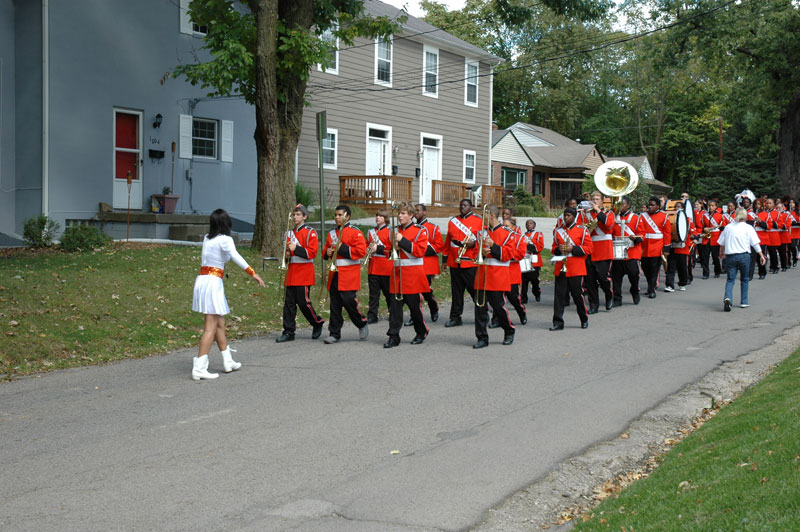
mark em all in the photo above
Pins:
pixel 200 369
pixel 228 363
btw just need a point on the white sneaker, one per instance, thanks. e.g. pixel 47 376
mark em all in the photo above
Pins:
pixel 682 288
pixel 669 289
pixel 744 305
pixel 200 369
pixel 228 363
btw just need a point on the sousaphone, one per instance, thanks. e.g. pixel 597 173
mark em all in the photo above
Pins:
pixel 617 179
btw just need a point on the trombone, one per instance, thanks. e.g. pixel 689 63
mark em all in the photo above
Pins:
pixel 481 260
pixel 397 269
pixel 284 266
pixel 323 295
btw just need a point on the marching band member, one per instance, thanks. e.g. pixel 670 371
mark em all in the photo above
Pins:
pixel 492 279
pixel 572 242
pixel 573 204
pixel 774 239
pixel 784 227
pixel 514 271
pixel 302 246
pixel 346 246
pixel 656 231
pixel 716 224
pixel 762 225
pixel 208 296
pixel 703 224
pixel 678 261
pixel 408 280
pixel 462 231
pixel 534 242
pixel 630 267
pixel 380 268
pixel 435 246
pixel 598 264
pixel 747 205
pixel 794 232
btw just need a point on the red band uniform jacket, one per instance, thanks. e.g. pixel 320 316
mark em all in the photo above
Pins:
pixel 582 247
pixel 348 261
pixel 411 250
pixel 456 236
pixel 534 246
pixel 703 221
pixel 520 250
pixel 379 264
pixel 654 240
pixel 301 261
pixel 717 223
pixel 784 226
pixel 495 275
pixel 772 228
pixel 435 246
pixel 631 229
pixel 795 221
pixel 602 243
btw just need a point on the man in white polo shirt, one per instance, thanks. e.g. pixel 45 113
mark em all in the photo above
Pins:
pixel 735 242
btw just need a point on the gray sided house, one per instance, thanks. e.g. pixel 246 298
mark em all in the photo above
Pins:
pixel 85 100
pixel 416 107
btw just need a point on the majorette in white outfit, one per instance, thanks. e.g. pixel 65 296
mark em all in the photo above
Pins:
pixel 209 290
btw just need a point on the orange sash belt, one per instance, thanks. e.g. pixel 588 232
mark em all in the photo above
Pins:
pixel 210 270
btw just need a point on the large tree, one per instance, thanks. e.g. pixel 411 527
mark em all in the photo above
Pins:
pixel 263 50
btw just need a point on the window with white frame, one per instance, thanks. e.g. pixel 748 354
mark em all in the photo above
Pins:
pixel 430 71
pixel 332 40
pixel 513 177
pixel 197 28
pixel 471 80
pixel 187 26
pixel 469 166
pixel 329 149
pixel 204 138
pixel 383 61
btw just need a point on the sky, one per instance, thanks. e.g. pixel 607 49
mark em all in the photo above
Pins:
pixel 414 9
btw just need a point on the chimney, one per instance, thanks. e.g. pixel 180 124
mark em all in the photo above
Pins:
pixel 494 126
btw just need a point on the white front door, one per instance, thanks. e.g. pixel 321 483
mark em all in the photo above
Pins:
pixel 431 166
pixel 127 160
pixel 376 156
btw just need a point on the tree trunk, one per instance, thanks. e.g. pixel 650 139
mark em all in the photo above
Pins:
pixel 789 147
pixel 278 123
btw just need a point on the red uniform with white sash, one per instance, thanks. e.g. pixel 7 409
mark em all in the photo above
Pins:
pixel 656 232
pixel 494 275
pixel 411 266
pixel 631 230
pixel 348 261
pixel 602 239
pixel 462 229
pixel 535 239
pixel 300 271
pixel 435 246
pixel 577 236
pixel 379 264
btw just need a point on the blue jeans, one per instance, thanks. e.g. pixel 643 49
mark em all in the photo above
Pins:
pixel 738 262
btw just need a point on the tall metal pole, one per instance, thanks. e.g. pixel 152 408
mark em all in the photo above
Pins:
pixel 322 133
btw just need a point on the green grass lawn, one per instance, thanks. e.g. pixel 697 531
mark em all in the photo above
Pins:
pixel 739 471
pixel 61 309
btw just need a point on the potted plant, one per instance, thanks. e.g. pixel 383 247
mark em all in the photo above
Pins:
pixel 167 200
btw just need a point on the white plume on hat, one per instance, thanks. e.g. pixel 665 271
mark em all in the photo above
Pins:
pixel 746 193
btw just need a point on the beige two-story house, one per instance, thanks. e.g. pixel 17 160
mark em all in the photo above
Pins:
pixel 415 108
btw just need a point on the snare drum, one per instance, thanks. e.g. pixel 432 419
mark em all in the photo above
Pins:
pixel 525 264
pixel 680 225
pixel 621 245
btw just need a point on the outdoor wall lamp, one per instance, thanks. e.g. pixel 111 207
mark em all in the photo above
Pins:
pixel 157 121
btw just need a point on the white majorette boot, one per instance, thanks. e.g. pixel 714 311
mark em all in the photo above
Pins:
pixel 200 369
pixel 228 363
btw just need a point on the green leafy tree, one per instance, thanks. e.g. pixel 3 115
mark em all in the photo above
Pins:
pixel 264 50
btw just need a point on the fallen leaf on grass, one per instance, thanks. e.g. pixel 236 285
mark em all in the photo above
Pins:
pixel 13 323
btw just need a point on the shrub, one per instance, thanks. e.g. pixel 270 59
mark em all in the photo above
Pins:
pixel 83 238
pixel 304 195
pixel 40 231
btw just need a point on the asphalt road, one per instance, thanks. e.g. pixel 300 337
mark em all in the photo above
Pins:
pixel 303 438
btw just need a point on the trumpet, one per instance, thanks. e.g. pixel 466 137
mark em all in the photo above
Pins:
pixel 463 248
pixel 368 257
pixel 481 260
pixel 332 268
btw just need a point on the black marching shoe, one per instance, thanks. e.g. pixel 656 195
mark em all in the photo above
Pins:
pixel 523 319
pixel 705 277
pixel 481 344
pixel 610 304
pixel 417 340
pixel 453 322
pixel 636 298
pixel 538 297
pixel 557 328
pixel 317 332
pixel 434 315
pixel 494 324
pixel 651 295
pixel 285 337
pixel 524 301
pixel 391 342
pixel 584 325
pixel 716 276
pixel 617 302
pixel 370 321
pixel 762 277
pixel 592 310
pixel 509 339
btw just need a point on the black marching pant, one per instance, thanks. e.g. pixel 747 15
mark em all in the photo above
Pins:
pixel 715 260
pixel 496 300
pixel 793 250
pixel 433 305
pixel 753 262
pixel 347 299
pixel 677 263
pixel 531 277
pixel 597 275
pixel 414 302
pixel 378 284
pixel 705 253
pixel 294 297
pixel 514 299
pixel 783 251
pixel 773 258
pixel 566 286
pixel 621 268
pixel 461 279
pixel 650 268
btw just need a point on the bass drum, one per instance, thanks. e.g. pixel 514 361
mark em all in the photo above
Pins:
pixel 680 225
